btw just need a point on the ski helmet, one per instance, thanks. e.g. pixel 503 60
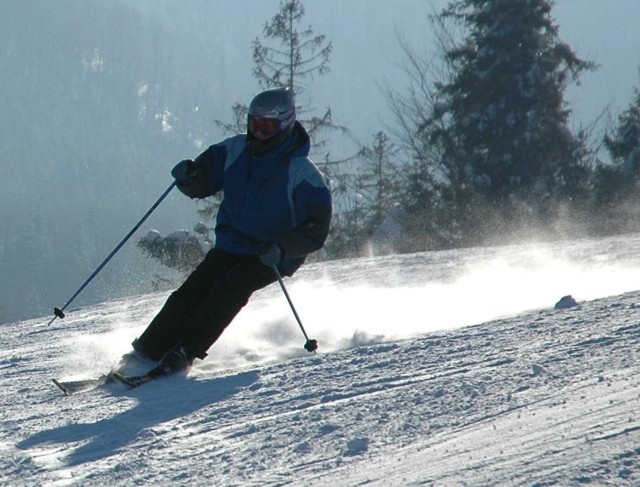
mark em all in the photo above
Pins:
pixel 270 113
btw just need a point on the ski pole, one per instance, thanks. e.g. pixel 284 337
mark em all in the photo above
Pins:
pixel 310 345
pixel 59 312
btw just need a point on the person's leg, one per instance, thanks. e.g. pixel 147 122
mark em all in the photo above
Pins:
pixel 164 331
pixel 229 295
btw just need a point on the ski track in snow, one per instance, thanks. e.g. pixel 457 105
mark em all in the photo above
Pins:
pixel 522 395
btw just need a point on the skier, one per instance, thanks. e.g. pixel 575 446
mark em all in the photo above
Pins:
pixel 276 209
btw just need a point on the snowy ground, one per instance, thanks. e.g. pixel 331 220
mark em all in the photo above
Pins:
pixel 448 368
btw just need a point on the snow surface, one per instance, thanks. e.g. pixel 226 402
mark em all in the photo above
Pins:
pixel 446 368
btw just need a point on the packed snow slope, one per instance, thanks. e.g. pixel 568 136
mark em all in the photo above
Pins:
pixel 446 368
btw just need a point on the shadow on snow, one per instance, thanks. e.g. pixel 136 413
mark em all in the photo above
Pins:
pixel 156 405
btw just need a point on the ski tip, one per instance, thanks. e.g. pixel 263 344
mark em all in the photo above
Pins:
pixel 61 386
pixel 73 386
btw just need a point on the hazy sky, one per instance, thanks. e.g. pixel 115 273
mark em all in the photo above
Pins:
pixel 603 31
pixel 364 36
pixel 366 52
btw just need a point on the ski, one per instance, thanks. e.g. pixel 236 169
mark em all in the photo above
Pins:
pixel 134 381
pixel 75 386
pixel 131 362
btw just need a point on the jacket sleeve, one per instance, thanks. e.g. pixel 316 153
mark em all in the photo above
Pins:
pixel 208 180
pixel 312 207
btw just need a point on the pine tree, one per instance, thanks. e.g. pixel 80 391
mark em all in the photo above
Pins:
pixel 616 186
pixel 288 64
pixel 295 56
pixel 498 118
pixel 624 144
pixel 379 184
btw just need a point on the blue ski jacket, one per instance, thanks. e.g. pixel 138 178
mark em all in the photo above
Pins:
pixel 278 197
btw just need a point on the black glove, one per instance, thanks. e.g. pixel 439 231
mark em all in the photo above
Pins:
pixel 271 254
pixel 184 171
pixel 186 176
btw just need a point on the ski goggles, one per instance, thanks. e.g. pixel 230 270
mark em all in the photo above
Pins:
pixel 264 128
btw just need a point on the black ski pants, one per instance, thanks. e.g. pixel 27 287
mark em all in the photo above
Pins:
pixel 196 314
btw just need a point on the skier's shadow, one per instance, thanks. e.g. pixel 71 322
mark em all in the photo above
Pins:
pixel 158 403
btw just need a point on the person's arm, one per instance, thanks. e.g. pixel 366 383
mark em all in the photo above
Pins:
pixel 201 177
pixel 313 208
